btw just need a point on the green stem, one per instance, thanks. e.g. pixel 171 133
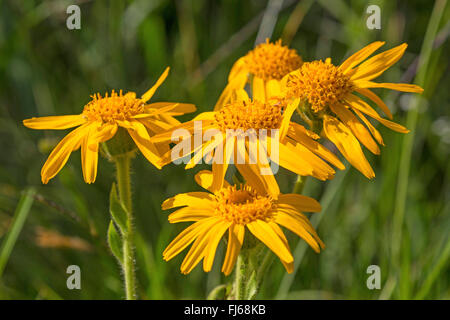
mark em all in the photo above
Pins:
pixel 240 275
pixel 124 186
pixel 299 185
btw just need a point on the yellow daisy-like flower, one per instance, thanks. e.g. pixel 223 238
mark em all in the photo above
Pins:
pixel 237 208
pixel 264 67
pixel 328 93
pixel 101 119
pixel 286 143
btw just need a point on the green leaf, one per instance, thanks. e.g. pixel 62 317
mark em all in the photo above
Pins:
pixel 118 211
pixel 115 242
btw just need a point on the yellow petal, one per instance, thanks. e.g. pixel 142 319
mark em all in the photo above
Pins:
pixel 191 213
pixel 258 89
pixel 376 65
pixel 89 154
pixel 149 94
pixel 356 103
pixel 204 179
pixel 404 87
pixel 220 164
pixel 287 115
pixel 236 83
pixel 55 122
pixel 187 236
pixel 356 127
pixel 199 248
pixel 60 154
pixel 299 134
pixel 288 266
pixel 212 245
pixel 372 129
pixel 273 89
pixel 360 55
pixel 265 233
pixel 235 240
pixel 297 226
pixel 372 96
pixel 140 136
pixel 347 144
pixel 300 202
pixel 192 199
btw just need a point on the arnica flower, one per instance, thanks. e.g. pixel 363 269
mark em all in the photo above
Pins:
pixel 285 143
pixel 327 94
pixel 237 208
pixel 101 119
pixel 263 67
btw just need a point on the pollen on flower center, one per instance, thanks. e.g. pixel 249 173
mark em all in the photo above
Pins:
pixel 114 107
pixel 243 205
pixel 321 83
pixel 272 60
pixel 249 114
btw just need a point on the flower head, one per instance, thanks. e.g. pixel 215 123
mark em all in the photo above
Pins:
pixel 236 209
pixel 249 134
pixel 263 67
pixel 101 119
pixel 327 95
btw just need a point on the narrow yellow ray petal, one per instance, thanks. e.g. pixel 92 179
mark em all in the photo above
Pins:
pixel 149 94
pixel 297 227
pixel 187 236
pixel 376 65
pixel 372 129
pixel 192 199
pixel 265 233
pixel 140 136
pixel 204 179
pixel 300 202
pixel 60 154
pixel 404 87
pixel 54 122
pixel 288 266
pixel 235 240
pixel 360 55
pixel 212 245
pixel 258 89
pixel 273 89
pixel 358 129
pixel 372 96
pixel 192 213
pixel 347 144
pixel 89 154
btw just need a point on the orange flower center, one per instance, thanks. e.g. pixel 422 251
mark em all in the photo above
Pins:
pixel 272 60
pixel 243 205
pixel 114 107
pixel 320 83
pixel 249 115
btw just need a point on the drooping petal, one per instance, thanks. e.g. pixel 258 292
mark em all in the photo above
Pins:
pixel 372 96
pixel 372 129
pixel 89 154
pixel 140 136
pixel 300 202
pixel 235 240
pixel 288 266
pixel 358 129
pixel 212 245
pixel 297 226
pixel 55 122
pixel 199 248
pixel 60 154
pixel 265 233
pixel 359 104
pixel 347 144
pixel 221 162
pixel 187 236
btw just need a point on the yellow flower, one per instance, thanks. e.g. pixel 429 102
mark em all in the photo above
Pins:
pixel 235 208
pixel 101 119
pixel 328 95
pixel 236 124
pixel 264 66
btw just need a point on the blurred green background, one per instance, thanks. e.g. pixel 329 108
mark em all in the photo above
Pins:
pixel 399 221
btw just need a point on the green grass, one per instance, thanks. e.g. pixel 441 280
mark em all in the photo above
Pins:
pixel 399 220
